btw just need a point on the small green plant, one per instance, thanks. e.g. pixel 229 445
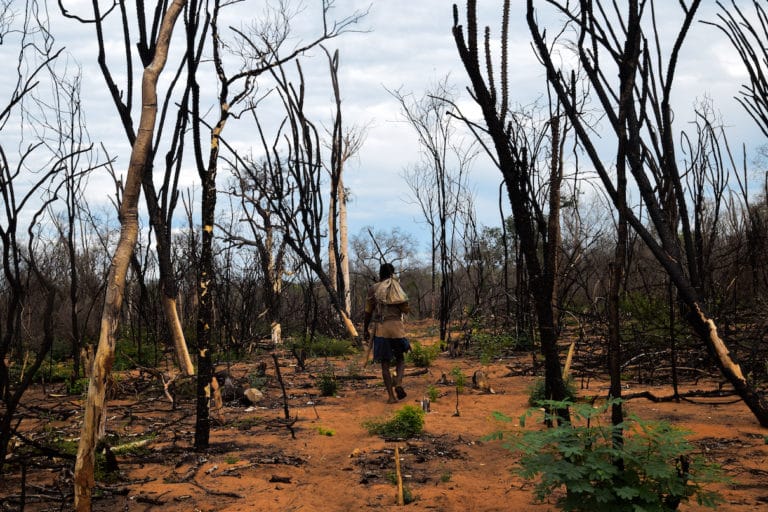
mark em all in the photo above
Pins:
pixel 653 468
pixel 327 383
pixel 537 394
pixel 353 369
pixel 408 496
pixel 459 379
pixel 231 459
pixel 407 422
pixel 78 387
pixel 128 355
pixel 446 477
pixel 433 393
pixel 326 431
pixel 56 371
pixel 423 356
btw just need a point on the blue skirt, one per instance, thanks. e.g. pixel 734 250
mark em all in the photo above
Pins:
pixel 389 349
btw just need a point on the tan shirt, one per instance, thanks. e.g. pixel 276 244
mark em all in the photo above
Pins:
pixel 388 318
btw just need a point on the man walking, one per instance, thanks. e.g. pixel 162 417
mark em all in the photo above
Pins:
pixel 386 304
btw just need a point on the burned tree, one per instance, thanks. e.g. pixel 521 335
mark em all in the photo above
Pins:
pixel 439 183
pixel 160 200
pixel 518 156
pixel 49 152
pixel 638 112
pixel 262 51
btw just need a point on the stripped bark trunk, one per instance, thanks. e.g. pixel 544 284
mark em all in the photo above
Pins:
pixel 95 404
pixel 344 245
pixel 177 335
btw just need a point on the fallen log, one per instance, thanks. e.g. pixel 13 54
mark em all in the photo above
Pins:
pixel 685 396
pixel 357 376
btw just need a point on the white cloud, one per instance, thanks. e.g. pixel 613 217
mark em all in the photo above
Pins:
pixel 408 44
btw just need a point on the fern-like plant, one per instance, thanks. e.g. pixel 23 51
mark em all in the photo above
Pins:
pixel 653 468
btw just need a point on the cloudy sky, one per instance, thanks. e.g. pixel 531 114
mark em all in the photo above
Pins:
pixel 407 45
pixel 410 46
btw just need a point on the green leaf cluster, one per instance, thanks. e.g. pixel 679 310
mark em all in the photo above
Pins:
pixel 492 345
pixel 327 383
pixel 422 356
pixel 459 378
pixel 407 422
pixel 636 466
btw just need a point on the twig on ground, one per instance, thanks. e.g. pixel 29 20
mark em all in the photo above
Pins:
pixel 685 396
pixel 288 422
pixel 400 497
pixel 216 493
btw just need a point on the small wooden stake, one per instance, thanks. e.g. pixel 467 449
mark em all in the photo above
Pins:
pixel 400 498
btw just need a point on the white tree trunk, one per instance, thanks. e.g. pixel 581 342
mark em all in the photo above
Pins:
pixel 177 335
pixel 344 246
pixel 95 405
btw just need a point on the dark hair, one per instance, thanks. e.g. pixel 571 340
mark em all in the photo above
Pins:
pixel 387 270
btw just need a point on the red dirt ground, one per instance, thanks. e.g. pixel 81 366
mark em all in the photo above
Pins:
pixel 255 464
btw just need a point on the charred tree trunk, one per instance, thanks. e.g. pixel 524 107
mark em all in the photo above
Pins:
pixel 516 165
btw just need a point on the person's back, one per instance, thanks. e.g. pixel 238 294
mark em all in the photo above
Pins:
pixel 389 341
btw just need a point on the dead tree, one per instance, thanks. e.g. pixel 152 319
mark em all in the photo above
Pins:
pixel 160 200
pixel 637 109
pixel 262 232
pixel 444 168
pixel 344 144
pixel 749 36
pixel 41 144
pixel 294 183
pixel 517 155
pixel 262 51
pixel 95 411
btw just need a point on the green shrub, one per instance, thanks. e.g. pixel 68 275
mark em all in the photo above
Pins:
pixel 247 422
pixel 433 393
pixel 127 354
pixel 654 469
pixel 323 346
pixel 423 356
pixel 326 431
pixel 258 378
pixel 327 383
pixel 536 392
pixel 78 387
pixel 56 371
pixel 493 345
pixel 406 423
